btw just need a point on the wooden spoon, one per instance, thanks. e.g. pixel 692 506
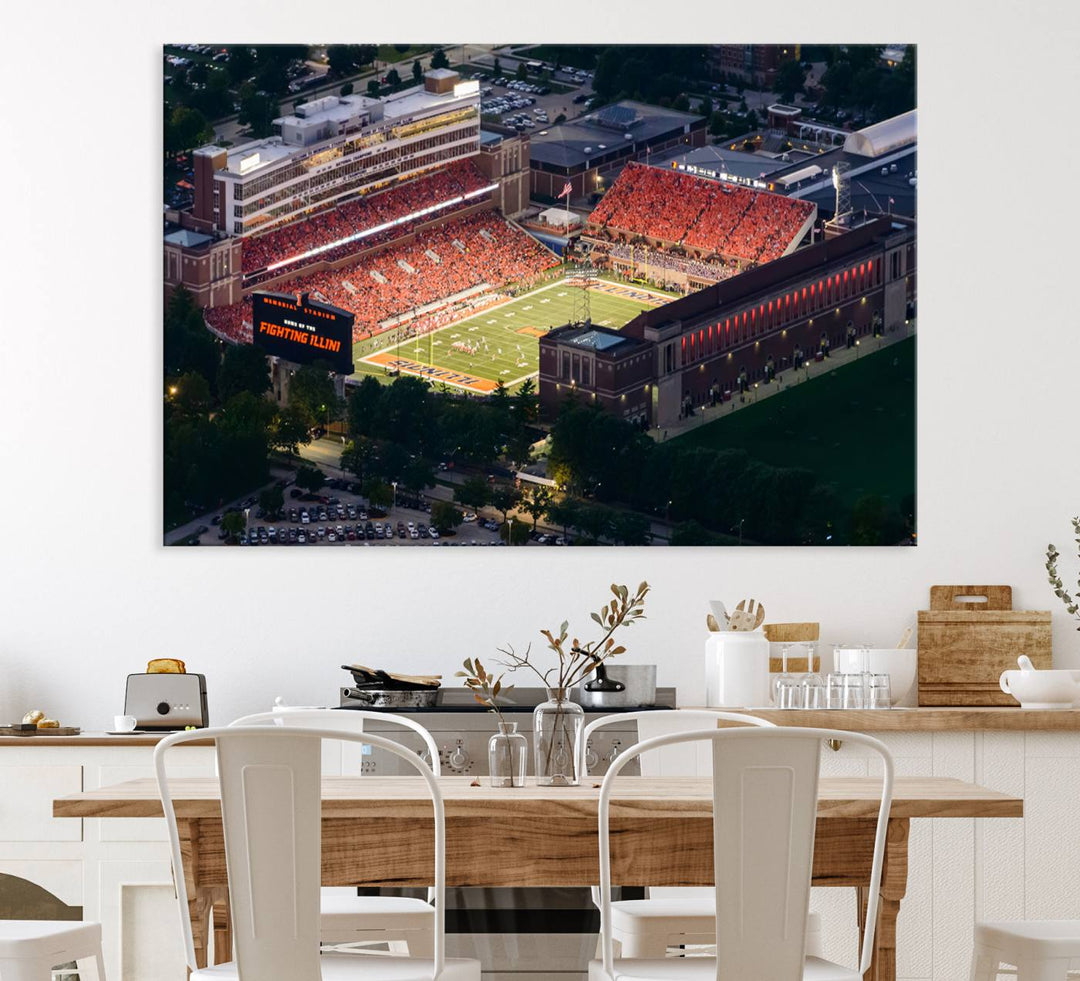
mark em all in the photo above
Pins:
pixel 748 617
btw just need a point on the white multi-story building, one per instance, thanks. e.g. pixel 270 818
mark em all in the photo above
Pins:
pixel 335 148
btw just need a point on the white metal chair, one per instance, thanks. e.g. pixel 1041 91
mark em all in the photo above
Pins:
pixel 673 916
pixel 765 789
pixel 1041 950
pixel 30 949
pixel 399 921
pixel 271 810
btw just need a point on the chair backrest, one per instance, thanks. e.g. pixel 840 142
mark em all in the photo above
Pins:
pixel 764 790
pixel 347 720
pixel 271 809
pixel 686 760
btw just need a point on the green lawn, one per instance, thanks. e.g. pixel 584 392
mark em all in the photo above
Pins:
pixel 854 426
pixel 502 341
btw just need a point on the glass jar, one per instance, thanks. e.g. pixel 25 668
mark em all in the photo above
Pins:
pixel 557 725
pixel 508 755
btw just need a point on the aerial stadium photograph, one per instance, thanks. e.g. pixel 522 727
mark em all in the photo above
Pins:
pixel 539 294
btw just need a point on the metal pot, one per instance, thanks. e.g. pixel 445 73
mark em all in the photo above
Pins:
pixel 619 686
pixel 389 698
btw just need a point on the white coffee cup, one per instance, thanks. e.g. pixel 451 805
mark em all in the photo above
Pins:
pixel 124 723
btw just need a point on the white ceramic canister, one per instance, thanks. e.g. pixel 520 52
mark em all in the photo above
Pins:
pixel 737 669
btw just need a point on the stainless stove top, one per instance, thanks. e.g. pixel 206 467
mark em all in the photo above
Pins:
pixel 461 700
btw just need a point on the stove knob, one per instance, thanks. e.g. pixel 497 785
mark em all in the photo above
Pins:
pixel 591 757
pixel 163 708
pixel 614 752
pixel 458 758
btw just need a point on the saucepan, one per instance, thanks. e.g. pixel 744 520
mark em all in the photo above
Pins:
pixel 619 686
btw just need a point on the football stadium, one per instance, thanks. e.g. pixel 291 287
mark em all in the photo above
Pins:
pixel 402 212
pixel 414 221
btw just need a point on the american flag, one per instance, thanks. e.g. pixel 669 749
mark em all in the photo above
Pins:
pixel 566 191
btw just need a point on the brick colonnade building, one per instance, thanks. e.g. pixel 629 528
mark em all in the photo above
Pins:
pixel 742 330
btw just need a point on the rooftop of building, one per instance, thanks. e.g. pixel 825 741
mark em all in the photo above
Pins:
pixel 602 340
pixel 597 133
pixel 418 99
pixel 186 238
pixel 330 108
pixel 717 162
pixel 339 110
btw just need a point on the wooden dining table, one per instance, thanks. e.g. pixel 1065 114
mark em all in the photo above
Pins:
pixel 375 831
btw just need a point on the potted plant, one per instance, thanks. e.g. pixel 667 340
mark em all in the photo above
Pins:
pixel 508 750
pixel 557 723
pixel 1072 603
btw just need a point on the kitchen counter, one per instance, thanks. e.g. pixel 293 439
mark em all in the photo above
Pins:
pixel 923 719
pixel 88 739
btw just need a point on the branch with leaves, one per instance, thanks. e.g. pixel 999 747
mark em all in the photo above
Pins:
pixel 1072 602
pixel 577 660
pixel 486 688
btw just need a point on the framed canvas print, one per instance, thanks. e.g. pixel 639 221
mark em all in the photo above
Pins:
pixel 535 294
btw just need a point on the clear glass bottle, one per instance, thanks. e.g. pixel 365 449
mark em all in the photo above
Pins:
pixel 557 725
pixel 508 756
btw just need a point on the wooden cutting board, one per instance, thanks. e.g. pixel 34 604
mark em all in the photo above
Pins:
pixel 968 637
pixel 60 731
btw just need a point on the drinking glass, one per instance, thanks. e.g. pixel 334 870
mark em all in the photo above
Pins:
pixel 853 691
pixel 788 692
pixel 879 693
pixel 834 690
pixel 813 691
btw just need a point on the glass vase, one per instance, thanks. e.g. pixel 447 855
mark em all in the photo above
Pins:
pixel 508 754
pixel 557 725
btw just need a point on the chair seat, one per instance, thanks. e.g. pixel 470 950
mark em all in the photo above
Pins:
pixel 41 939
pixel 376 912
pixel 704 969
pixel 349 967
pixel 699 915
pixel 1028 939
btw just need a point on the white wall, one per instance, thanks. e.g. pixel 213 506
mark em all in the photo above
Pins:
pixel 88 594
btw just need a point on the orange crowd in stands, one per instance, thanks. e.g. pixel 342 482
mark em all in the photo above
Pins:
pixel 441 262
pixel 298 237
pixel 733 221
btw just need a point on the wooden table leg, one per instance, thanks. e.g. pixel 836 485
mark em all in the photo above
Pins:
pixel 222 921
pixel 893 889
pixel 208 904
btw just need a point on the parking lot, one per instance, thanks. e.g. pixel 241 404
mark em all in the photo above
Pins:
pixel 529 105
pixel 341 516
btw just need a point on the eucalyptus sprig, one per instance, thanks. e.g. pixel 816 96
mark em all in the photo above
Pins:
pixel 486 688
pixel 1072 602
pixel 575 659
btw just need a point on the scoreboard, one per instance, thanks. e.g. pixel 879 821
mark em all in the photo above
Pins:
pixel 299 329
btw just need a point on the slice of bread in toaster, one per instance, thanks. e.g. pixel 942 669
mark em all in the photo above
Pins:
pixel 166 665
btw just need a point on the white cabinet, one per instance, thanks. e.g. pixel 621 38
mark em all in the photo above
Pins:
pixel 26 803
pixel 117 870
pixel 961 869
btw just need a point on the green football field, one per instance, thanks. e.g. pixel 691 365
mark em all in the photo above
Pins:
pixel 853 426
pixel 499 343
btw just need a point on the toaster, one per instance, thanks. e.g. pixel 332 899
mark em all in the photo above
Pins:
pixel 164 702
